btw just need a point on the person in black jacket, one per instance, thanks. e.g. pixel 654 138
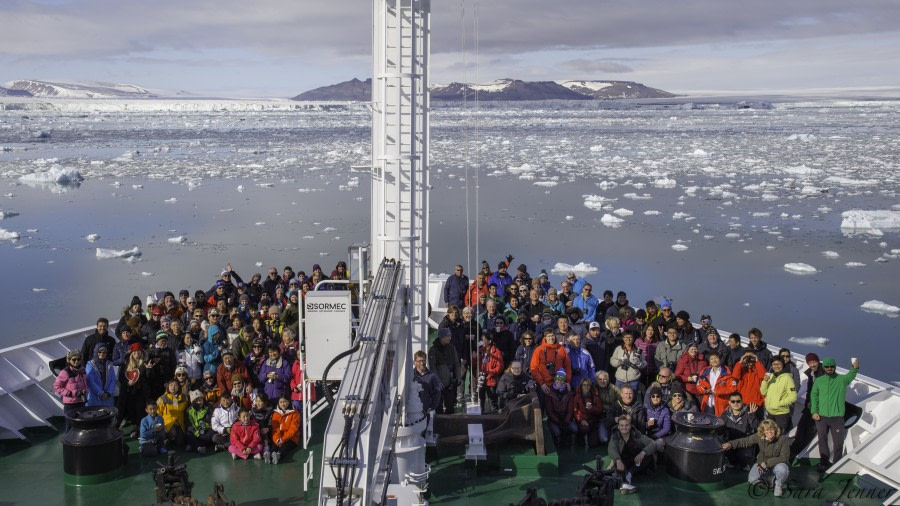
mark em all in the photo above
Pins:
pixel 455 288
pixel 734 352
pixel 740 422
pixel 431 385
pixel 514 382
pixel 443 360
pixel 100 336
pixel 759 347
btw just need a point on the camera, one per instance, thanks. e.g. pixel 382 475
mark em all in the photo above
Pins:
pixel 482 379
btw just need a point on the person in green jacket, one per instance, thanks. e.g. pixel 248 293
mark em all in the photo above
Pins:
pixel 827 408
pixel 199 428
pixel 780 392
pixel 774 451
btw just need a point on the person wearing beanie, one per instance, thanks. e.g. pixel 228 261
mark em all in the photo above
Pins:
pixel 101 377
pixel 133 309
pixel 501 278
pixel 604 305
pixel 71 384
pixel 680 401
pixel 659 421
pixel 780 392
pixel 686 331
pixel 664 317
pixel 161 360
pixel 560 409
pixel 120 350
pixel 198 434
pixel 827 405
pixel 444 361
pixel 806 427
pixel 689 367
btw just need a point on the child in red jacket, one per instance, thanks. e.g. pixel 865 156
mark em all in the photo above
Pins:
pixel 245 438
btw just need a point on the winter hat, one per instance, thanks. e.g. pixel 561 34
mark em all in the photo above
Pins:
pixel 561 373
pixel 208 374
pixel 164 321
pixel 224 272
pixel 640 313
pixel 125 329
pixel 678 389
pixel 485 264
pixel 544 274
pixel 184 293
pixel 501 265
pixel 135 300
pixel 684 315
pixel 621 294
pixel 135 347
pixel 162 334
pixel 666 303
pixel 227 351
pixel 444 332
pixel 811 356
pixel 181 368
pixel 316 267
pixel 607 292
pixel 828 362
pixel 151 300
pixel 157 310
pixel 654 391
pixel 245 297
pixel 195 394
pixel 193 321
pixel 522 268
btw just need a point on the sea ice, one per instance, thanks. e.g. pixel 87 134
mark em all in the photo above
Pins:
pixel 679 247
pixel 147 274
pixel 596 202
pixel 830 254
pixel 38 290
pixel 569 217
pixel 329 229
pixel 579 268
pixel 800 268
pixel 876 306
pixel 546 184
pixel 855 264
pixel 817 341
pixel 846 181
pixel 57 174
pixel 259 264
pixel 6 235
pixel 260 223
pixel 635 196
pixel 623 212
pixel 699 152
pixel 177 240
pixel 7 214
pixel 611 221
pixel 92 237
pixel 124 253
pixel 664 182
pixel 802 137
pixel 171 200
pixel 651 213
pixel 857 221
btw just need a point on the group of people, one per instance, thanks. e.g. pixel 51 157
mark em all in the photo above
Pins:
pixel 214 371
pixel 606 373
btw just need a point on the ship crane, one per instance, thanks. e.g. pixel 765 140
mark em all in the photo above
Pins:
pixel 373 449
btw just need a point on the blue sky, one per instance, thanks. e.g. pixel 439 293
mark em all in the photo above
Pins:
pixel 284 47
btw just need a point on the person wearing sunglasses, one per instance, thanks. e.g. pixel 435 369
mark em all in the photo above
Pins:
pixel 659 422
pixel 740 421
pixel 71 384
pixel 827 408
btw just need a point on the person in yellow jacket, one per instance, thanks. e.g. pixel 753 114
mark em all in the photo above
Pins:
pixel 172 406
pixel 780 393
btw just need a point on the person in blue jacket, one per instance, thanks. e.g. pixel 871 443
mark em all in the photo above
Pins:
pixel 212 348
pixel 101 379
pixel 455 288
pixel 587 303
pixel 501 278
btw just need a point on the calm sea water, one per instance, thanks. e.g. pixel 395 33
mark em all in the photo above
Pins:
pixel 741 189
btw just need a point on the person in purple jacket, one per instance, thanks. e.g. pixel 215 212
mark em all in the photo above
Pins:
pixel 275 373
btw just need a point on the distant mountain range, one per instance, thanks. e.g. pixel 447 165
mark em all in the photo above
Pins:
pixel 47 89
pixel 503 89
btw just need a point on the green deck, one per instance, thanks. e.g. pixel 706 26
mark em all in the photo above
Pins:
pixel 32 474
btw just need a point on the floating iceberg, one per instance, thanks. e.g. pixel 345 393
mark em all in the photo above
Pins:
pixel 855 264
pixel 596 202
pixel 679 247
pixel 7 214
pixel 623 212
pixel 611 221
pixel 664 183
pixel 876 306
pixel 579 268
pixel 818 341
pixel 800 268
pixel 856 221
pixel 56 175
pixel 113 253
pixel 92 237
pixel 6 235
pixel 177 240
pixel 830 254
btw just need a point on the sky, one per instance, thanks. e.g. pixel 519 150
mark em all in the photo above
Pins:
pixel 279 48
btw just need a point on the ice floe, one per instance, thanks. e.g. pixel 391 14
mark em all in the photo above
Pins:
pixel 7 214
pixel 857 221
pixel 679 247
pixel 800 268
pixel 817 341
pixel 855 264
pixel 876 306
pixel 623 212
pixel 92 237
pixel 830 254
pixel 6 235
pixel 56 175
pixel 802 137
pixel 651 212
pixel 177 240
pixel 38 290
pixel 611 221
pixel 664 182
pixel 579 268
pixel 596 202
pixel 103 253
pixel 635 196
pixel 147 274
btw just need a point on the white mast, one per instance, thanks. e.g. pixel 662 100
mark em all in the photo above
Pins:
pixel 400 181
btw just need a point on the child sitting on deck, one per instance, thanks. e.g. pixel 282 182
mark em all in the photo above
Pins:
pixel 153 434
pixel 245 438
pixel 223 419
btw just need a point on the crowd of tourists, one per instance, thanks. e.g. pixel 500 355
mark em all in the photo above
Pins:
pixel 213 371
pixel 607 372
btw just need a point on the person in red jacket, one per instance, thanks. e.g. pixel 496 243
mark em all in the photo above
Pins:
pixel 297 387
pixel 246 441
pixel 748 375
pixel 476 289
pixel 715 386
pixel 230 369
pixel 688 370
pixel 285 429
pixel 490 367
pixel 588 412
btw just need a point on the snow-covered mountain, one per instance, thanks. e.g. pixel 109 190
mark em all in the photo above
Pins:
pixel 605 90
pixel 88 89
pixel 6 92
pixel 502 89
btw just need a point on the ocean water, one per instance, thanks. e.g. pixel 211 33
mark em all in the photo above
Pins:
pixel 739 193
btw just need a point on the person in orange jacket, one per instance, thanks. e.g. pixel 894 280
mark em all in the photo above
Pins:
pixel 715 385
pixel 285 429
pixel 748 375
pixel 548 358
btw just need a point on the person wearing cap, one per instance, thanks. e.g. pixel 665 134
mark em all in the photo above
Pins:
pixel 501 278
pixel 827 405
pixel 712 343
pixel 228 279
pixel 637 326
pixel 152 325
pixel 689 367
pixel 133 387
pixel 199 433
pixel 455 287
pixel 806 427
pixel 490 367
pixel 631 453
pixel 229 369
pixel 560 408
pixel 131 310
pixel 705 325
pixel 780 394
pixel 101 378
pixel 100 335
pixel 587 303
pixel 71 384
pixel 665 317
pixel 594 343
